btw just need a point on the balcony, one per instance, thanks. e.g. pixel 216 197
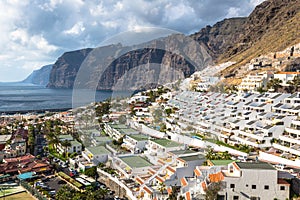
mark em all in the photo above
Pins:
pixel 289 138
pixel 291 130
pixel 287 149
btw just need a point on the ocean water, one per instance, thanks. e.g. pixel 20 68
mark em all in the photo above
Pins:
pixel 23 97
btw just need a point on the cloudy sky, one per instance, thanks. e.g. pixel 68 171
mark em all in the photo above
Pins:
pixel 36 32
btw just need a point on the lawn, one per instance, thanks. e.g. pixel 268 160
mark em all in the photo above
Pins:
pixel 6 190
pixel 22 195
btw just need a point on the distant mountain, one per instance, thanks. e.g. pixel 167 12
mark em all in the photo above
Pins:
pixel 40 76
pixel 272 26
pixel 105 70
pixel 65 69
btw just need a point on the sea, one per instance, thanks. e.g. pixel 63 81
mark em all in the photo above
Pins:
pixel 22 98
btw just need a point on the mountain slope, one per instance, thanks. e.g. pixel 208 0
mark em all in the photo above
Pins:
pixel 272 26
pixel 40 76
pixel 106 66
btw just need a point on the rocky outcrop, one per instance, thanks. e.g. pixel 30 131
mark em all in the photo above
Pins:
pixel 121 67
pixel 66 67
pixel 40 76
pixel 272 26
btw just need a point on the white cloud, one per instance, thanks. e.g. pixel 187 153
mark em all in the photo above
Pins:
pixel 77 29
pixel 233 12
pixel 37 32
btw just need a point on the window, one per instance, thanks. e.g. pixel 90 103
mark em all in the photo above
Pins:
pixel 282 188
pixel 232 185
pixel 235 197
pixel 266 187
pixel 253 186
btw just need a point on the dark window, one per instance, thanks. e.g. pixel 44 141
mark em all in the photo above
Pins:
pixel 282 188
pixel 266 187
pixel 246 185
pixel 235 197
pixel 232 185
pixel 253 186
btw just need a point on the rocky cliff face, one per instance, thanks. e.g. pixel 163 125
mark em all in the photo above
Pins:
pixel 272 26
pixel 105 68
pixel 39 77
pixel 66 67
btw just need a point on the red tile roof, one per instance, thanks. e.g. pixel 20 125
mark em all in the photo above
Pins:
pixel 147 190
pixel 160 179
pixel 171 169
pixel 188 196
pixel 169 190
pixel 236 166
pixel 216 177
pixel 197 172
pixel 183 182
pixel 139 180
pixel 282 182
pixel 203 184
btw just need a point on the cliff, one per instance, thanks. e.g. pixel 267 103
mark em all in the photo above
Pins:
pixel 272 26
pixel 40 76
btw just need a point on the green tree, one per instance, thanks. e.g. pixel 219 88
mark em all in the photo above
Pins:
pixel 212 190
pixel 31 138
pixel 274 84
pixel 92 172
pixel 294 85
pixel 65 193
pixel 66 144
pixel 162 187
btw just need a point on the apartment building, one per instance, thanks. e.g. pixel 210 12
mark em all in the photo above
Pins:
pixel 246 180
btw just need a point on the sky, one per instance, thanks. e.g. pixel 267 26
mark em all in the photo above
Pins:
pixel 36 32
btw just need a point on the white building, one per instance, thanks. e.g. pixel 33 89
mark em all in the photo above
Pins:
pixel 135 143
pixel 246 180
pixel 253 81
pixel 285 77
pixel 96 155
pixel 75 146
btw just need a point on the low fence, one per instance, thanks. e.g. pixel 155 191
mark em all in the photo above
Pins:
pixel 129 193
pixel 32 190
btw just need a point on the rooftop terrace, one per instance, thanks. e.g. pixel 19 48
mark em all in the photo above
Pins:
pixel 166 143
pixel 136 161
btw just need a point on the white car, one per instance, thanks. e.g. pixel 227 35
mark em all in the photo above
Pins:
pixel 242 158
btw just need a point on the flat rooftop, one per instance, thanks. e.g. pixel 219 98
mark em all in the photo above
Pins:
pixel 103 139
pixel 220 162
pixel 255 165
pixel 139 137
pixel 65 137
pixel 180 152
pixel 192 158
pixel 117 126
pixel 167 143
pixel 98 150
pixel 136 161
pixel 127 130
pixel 4 138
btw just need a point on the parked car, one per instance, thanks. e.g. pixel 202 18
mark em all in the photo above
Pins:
pixel 280 166
pixel 242 158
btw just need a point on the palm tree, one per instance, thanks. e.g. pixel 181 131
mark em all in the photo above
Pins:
pixel 294 84
pixel 162 187
pixel 210 155
pixel 66 144
pixel 274 84
pixel 53 140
